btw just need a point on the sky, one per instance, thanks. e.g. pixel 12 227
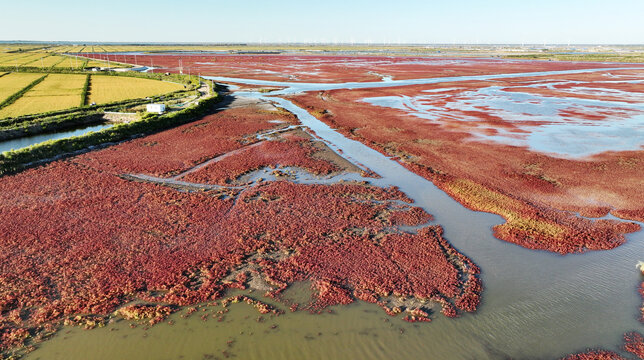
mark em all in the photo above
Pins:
pixel 327 21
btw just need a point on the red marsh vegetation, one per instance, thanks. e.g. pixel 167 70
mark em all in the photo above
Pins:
pixel 633 344
pixel 317 68
pixel 80 239
pixel 487 155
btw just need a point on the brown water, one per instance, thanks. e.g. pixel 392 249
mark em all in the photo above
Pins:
pixel 534 305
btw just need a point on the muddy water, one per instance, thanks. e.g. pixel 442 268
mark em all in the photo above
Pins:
pixel 535 304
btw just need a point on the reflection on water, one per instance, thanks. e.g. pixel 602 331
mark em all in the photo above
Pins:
pixel 20 143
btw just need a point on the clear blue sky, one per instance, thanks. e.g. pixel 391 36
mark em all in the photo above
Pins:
pixel 407 21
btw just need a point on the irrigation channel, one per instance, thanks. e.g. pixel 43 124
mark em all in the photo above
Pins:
pixel 535 304
pixel 27 141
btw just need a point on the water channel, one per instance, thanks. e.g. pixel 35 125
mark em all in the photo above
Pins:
pixel 24 142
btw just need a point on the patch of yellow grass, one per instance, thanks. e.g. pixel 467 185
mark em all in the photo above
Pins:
pixel 56 92
pixel 12 59
pixel 46 62
pixel 480 198
pixel 70 62
pixel 100 63
pixel 14 82
pixel 21 60
pixel 105 89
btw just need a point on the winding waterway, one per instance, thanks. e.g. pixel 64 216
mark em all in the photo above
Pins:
pixel 535 304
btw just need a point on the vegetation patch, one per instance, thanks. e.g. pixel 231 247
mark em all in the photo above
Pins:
pixel 55 92
pixel 14 85
pixel 105 89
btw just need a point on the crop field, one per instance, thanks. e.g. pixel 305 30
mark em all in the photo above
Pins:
pixel 18 47
pixel 56 92
pixel 62 91
pixel 101 64
pixel 14 59
pixel 104 89
pixel 47 61
pixel 22 60
pixel 14 82
pixel 71 62
pixel 7 56
pixel 68 49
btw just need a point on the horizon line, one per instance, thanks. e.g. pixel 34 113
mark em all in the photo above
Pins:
pixel 271 43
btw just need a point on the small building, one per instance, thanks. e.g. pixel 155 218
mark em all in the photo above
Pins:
pixel 155 108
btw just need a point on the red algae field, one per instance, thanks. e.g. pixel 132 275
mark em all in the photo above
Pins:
pixel 364 206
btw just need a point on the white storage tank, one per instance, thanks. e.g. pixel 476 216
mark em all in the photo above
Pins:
pixel 155 108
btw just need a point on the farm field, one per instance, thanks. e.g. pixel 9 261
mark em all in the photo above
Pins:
pixel 56 92
pixel 365 200
pixel 112 64
pixel 71 62
pixel 46 62
pixel 104 89
pixel 18 47
pixel 17 59
pixel 14 82
pixel 63 91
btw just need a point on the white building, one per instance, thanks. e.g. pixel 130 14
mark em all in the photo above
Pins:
pixel 155 108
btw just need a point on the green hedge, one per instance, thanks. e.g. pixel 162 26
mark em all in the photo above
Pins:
pixel 85 91
pixel 51 124
pixel 14 161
